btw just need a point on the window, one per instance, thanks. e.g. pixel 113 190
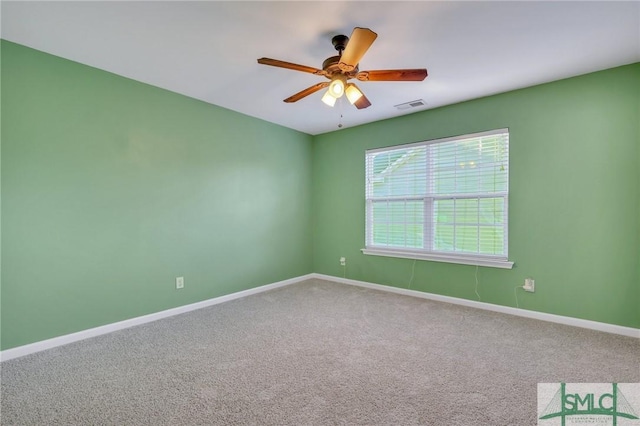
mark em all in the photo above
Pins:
pixel 443 200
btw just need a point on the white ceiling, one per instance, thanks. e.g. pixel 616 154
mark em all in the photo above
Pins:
pixel 208 49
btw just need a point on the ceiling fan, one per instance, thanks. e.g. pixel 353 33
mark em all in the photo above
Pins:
pixel 344 67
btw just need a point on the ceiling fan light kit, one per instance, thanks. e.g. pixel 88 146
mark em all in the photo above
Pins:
pixel 336 87
pixel 343 67
pixel 353 93
pixel 329 99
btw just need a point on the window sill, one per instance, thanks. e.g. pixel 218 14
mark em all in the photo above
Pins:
pixel 448 258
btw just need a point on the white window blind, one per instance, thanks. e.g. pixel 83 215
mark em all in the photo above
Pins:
pixel 445 199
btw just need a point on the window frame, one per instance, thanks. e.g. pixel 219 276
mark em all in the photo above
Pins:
pixel 428 252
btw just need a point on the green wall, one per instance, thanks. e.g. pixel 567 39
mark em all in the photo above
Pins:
pixel 112 188
pixel 574 206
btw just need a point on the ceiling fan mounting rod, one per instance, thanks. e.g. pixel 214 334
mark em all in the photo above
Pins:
pixel 340 42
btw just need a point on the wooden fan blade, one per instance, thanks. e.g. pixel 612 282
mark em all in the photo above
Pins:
pixel 306 92
pixel 417 74
pixel 290 65
pixel 363 102
pixel 359 42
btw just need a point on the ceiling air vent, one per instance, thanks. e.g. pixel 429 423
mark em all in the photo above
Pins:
pixel 411 104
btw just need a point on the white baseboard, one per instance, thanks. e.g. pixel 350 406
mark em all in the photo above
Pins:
pixel 559 319
pixel 120 325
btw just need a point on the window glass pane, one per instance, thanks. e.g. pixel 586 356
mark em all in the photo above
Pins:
pixel 476 165
pixel 466 239
pixel 491 240
pixel 465 220
pixel 398 223
pixel 415 235
pixel 492 210
pixel 444 211
pixel 443 240
pixel 399 173
pixel 466 211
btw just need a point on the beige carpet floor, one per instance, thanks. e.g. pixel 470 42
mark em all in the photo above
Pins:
pixel 313 353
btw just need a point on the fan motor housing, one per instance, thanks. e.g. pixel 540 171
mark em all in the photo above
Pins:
pixel 330 65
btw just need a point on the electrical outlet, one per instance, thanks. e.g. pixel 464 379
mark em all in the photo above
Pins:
pixel 529 285
pixel 180 282
pixel 343 261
